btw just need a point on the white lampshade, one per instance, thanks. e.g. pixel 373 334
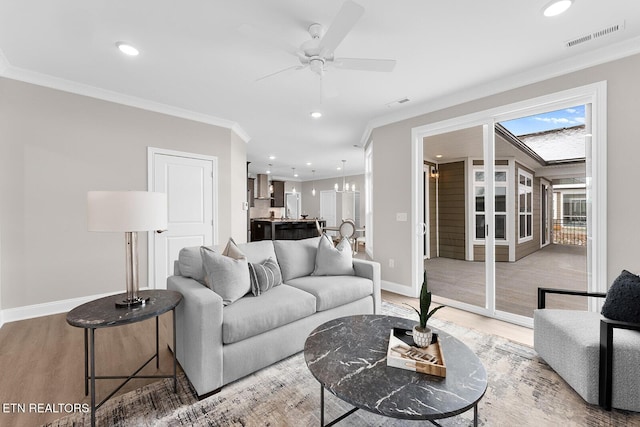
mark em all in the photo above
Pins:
pixel 126 211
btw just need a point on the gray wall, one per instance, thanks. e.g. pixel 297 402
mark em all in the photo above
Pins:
pixel 311 204
pixel 56 146
pixel 392 161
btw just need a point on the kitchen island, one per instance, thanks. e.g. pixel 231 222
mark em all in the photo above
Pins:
pixel 283 229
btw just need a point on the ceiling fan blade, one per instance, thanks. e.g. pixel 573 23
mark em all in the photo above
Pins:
pixel 268 38
pixel 340 27
pixel 383 65
pixel 293 67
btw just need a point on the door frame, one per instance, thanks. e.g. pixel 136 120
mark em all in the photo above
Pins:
pixel 594 94
pixel 151 152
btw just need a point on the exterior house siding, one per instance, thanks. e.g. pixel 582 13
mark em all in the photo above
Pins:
pixel 452 210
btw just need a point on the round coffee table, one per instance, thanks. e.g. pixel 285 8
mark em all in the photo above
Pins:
pixel 348 356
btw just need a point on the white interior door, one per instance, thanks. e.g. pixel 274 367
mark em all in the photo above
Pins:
pixel 328 208
pixel 189 183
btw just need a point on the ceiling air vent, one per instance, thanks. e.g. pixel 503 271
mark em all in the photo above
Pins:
pixel 595 35
pixel 398 102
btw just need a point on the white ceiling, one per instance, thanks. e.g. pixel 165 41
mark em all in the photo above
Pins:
pixel 196 63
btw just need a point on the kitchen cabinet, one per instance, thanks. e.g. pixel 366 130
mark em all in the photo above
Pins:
pixel 277 197
pixel 250 191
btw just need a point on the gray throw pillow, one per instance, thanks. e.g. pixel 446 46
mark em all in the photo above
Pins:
pixel 264 276
pixel 623 299
pixel 333 261
pixel 227 274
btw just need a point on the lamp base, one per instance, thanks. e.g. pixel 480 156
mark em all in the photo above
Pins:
pixel 134 302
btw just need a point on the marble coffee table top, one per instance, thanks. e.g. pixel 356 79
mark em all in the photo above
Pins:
pixel 348 356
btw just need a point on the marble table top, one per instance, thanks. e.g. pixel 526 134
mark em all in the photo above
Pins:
pixel 103 313
pixel 348 357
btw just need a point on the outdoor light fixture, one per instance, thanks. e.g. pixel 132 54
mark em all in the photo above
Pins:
pixel 556 7
pixel 128 212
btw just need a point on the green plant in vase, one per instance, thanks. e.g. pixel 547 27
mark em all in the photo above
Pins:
pixel 422 333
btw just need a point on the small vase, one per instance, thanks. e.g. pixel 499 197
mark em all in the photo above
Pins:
pixel 422 337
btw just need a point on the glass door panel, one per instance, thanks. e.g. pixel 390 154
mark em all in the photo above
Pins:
pixel 457 219
pixel 536 250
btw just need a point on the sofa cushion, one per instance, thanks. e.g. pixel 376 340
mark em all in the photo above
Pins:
pixel 333 291
pixel 264 276
pixel 258 252
pixel 333 261
pixel 253 315
pixel 296 258
pixel 190 263
pixel 227 274
pixel 623 299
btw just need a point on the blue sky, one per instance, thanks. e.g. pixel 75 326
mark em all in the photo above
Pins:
pixel 567 117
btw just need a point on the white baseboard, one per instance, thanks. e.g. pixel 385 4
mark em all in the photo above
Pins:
pixel 47 308
pixel 396 288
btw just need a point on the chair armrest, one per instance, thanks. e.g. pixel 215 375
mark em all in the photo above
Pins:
pixel 542 292
pixel 606 358
pixel 370 270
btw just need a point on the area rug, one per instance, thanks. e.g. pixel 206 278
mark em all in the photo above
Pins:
pixel 522 391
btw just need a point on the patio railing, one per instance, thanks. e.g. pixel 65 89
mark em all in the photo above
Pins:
pixel 570 231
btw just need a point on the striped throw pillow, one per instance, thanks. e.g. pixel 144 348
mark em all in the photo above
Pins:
pixel 264 276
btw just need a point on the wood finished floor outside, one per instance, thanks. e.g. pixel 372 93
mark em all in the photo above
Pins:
pixel 41 359
pixel 554 266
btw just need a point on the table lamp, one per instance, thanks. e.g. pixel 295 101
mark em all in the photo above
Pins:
pixel 128 212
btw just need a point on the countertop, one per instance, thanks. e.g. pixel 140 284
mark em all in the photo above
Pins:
pixel 284 220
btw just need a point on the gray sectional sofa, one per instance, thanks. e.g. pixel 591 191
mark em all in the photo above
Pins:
pixel 217 344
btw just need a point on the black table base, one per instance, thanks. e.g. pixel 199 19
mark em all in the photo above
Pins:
pixel 103 313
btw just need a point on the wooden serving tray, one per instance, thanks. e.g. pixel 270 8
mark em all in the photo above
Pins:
pixel 404 355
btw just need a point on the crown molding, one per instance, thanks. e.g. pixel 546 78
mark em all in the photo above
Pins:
pixel 545 72
pixel 45 80
pixel 241 132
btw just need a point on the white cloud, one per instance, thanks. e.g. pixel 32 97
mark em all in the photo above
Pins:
pixel 554 120
pixel 571 110
pixel 579 120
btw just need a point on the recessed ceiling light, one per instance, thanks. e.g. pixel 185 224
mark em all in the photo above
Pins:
pixel 272 157
pixel 438 156
pixel 127 49
pixel 308 163
pixel 316 114
pixel 556 7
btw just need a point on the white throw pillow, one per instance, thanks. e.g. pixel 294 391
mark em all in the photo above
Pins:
pixel 227 274
pixel 333 261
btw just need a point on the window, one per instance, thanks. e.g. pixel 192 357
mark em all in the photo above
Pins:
pixel 574 209
pixel 525 208
pixel 500 204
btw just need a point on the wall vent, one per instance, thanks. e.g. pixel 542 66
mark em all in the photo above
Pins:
pixel 595 35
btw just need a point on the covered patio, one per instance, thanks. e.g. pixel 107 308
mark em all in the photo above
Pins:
pixel 553 266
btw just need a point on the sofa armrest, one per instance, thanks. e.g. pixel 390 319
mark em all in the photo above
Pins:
pixel 606 358
pixel 199 333
pixel 370 270
pixel 542 293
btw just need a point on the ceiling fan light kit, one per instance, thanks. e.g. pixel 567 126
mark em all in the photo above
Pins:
pixel 317 54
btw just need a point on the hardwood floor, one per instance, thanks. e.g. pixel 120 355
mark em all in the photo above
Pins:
pixel 41 359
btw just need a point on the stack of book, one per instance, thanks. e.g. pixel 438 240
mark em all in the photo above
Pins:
pixel 402 353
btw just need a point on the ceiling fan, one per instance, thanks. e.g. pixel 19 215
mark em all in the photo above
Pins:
pixel 318 53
